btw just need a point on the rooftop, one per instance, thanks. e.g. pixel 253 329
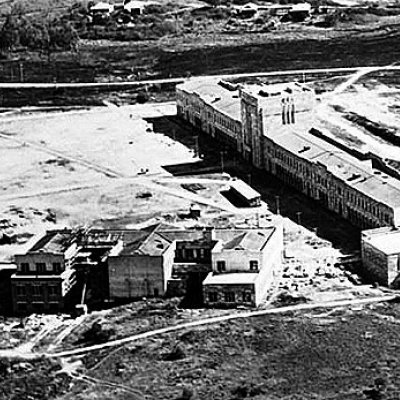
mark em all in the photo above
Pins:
pixel 55 242
pixel 358 174
pixel 244 189
pixel 249 239
pixel 275 89
pixel 386 240
pixel 233 278
pixel 217 96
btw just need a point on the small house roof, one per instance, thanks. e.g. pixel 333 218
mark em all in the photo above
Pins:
pixel 102 6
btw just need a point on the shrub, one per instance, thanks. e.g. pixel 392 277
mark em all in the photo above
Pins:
pixel 177 353
pixel 142 97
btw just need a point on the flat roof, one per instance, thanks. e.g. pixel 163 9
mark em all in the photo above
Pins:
pixel 7 266
pixel 215 95
pixel 356 173
pixel 231 278
pixel 244 189
pixel 386 240
pixel 249 239
pixel 275 89
pixel 56 242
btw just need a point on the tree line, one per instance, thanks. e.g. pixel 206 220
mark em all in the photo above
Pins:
pixel 45 33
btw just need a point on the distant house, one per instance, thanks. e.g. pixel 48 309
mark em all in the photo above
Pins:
pixel 244 264
pixel 278 10
pixel 102 8
pixel 248 10
pixel 380 254
pixel 141 265
pixel 135 7
pixel 44 276
pixel 245 193
pixel 299 12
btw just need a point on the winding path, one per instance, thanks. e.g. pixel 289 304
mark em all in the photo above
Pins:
pixel 216 320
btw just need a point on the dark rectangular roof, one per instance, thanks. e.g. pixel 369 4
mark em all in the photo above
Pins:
pixel 55 242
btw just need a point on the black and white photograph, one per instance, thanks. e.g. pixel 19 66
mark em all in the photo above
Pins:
pixel 200 200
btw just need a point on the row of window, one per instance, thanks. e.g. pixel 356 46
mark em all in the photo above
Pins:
pixel 230 297
pixel 39 268
pixel 221 265
pixel 351 196
pixel 225 122
pixel 37 290
pixel 192 254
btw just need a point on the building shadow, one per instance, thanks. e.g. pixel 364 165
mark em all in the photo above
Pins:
pixel 292 204
pixel 206 148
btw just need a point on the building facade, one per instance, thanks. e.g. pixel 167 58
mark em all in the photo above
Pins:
pixel 276 133
pixel 244 267
pixel 380 254
pixel 44 276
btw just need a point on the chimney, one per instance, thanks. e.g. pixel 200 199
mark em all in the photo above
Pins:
pixel 208 234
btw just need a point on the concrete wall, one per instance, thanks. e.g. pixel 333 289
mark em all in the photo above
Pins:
pixel 375 264
pixel 235 260
pixel 168 263
pixel 271 260
pixel 134 276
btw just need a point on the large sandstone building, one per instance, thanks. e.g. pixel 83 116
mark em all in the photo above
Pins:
pixel 272 126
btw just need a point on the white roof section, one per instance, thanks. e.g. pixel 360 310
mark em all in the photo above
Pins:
pixel 134 5
pixel 231 278
pixel 386 240
pixel 301 7
pixel 244 189
pixel 102 6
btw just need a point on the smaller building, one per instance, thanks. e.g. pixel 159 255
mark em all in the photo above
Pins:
pixel 141 265
pixel 299 12
pixel 380 254
pixel 102 8
pixel 248 10
pixel 45 277
pixel 243 267
pixel 134 7
pixel 245 194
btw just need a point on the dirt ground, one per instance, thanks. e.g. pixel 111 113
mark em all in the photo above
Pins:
pixel 370 99
pixel 83 167
pixel 306 355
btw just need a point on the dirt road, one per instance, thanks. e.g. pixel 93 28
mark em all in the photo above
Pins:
pixel 216 320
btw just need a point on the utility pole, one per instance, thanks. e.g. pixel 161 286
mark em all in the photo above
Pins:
pixel 278 210
pixel 299 220
pixel 196 146
pixel 21 71
pixel 298 213
pixel 222 161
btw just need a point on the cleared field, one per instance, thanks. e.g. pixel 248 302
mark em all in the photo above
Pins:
pixel 336 354
pixel 83 168
pixel 363 115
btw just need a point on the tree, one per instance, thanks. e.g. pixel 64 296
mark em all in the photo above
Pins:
pixel 9 34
